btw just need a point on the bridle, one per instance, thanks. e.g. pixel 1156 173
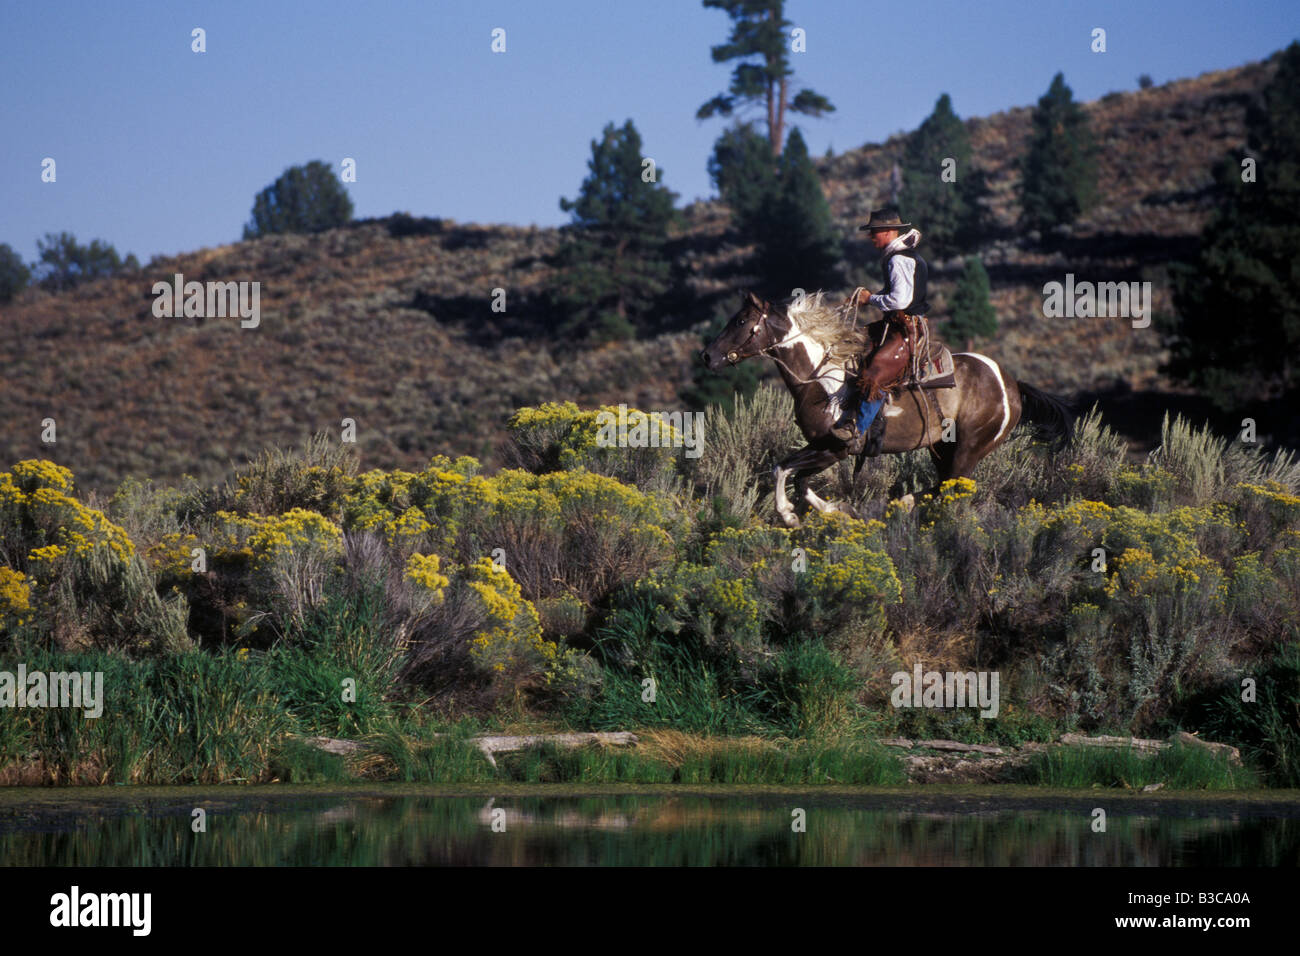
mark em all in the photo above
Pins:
pixel 733 355
pixel 734 358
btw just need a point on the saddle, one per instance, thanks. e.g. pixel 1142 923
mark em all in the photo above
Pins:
pixel 923 364
pixel 936 371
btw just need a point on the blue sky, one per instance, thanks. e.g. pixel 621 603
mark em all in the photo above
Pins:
pixel 161 150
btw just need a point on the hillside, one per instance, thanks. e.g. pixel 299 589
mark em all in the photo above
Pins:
pixel 388 321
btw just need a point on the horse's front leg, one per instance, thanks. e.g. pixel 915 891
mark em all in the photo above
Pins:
pixel 803 464
pixel 784 510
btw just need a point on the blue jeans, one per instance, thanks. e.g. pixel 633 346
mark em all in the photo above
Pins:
pixel 867 414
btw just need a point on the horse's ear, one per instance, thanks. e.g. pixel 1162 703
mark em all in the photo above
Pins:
pixel 753 299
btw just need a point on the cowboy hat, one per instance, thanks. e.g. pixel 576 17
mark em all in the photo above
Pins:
pixel 882 219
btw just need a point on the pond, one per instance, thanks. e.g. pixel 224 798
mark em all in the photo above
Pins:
pixel 675 826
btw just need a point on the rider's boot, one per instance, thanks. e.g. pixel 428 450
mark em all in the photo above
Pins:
pixel 866 431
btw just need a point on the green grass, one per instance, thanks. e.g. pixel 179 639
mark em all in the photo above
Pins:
pixel 1177 767
pixel 743 761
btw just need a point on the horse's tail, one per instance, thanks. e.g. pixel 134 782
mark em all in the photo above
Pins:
pixel 1051 416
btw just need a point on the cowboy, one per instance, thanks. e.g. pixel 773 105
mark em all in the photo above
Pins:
pixel 903 301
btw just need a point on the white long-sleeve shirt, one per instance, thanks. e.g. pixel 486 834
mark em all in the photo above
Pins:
pixel 902 272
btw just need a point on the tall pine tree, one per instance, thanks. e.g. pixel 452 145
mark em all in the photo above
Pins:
pixel 760 29
pixel 612 265
pixel 1237 333
pixel 1059 171
pixel 943 197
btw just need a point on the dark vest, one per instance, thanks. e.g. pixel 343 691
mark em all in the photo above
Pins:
pixel 918 305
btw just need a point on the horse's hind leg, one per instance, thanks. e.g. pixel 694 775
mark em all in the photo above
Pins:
pixel 958 459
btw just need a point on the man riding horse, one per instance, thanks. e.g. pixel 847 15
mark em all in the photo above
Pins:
pixel 903 334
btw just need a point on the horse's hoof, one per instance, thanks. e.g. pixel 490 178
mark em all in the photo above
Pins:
pixel 789 519
pixel 908 502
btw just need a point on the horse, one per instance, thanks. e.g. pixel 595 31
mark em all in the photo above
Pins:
pixel 984 406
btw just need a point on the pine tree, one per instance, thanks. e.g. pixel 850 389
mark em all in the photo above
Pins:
pixel 759 29
pixel 798 245
pixel 1059 172
pixel 306 198
pixel 13 273
pixel 612 265
pixel 972 314
pixel 743 172
pixel 64 263
pixel 1237 335
pixel 783 211
pixel 947 208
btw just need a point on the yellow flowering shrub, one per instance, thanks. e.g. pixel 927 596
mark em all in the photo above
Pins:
pixel 15 598
pixel 1091 518
pixel 511 634
pixel 396 504
pixel 172 555
pixel 709 601
pixel 292 531
pixel 956 489
pixel 847 561
pixel 760 585
pixel 425 571
pixel 42 525
pixel 1274 507
pixel 231 534
pixel 74 574
pixel 563 532
pixel 573 532
pixel 560 436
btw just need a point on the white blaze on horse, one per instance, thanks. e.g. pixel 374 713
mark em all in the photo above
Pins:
pixel 812 343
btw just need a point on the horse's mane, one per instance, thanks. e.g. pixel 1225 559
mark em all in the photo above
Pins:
pixel 830 327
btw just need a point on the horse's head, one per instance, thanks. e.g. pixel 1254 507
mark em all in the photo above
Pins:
pixel 747 334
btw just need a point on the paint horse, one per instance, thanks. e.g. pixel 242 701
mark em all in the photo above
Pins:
pixel 982 408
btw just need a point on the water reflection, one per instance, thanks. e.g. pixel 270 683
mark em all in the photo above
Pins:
pixel 633 830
